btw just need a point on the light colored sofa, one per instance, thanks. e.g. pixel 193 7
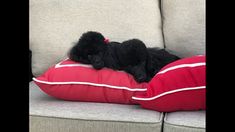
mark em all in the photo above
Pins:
pixel 177 25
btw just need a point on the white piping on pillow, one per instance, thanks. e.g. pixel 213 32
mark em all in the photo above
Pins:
pixel 59 65
pixel 71 65
pixel 169 92
pixel 92 84
pixel 181 66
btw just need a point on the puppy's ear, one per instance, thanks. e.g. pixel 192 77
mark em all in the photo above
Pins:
pixel 73 54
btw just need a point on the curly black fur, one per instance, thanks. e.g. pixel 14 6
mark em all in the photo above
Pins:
pixel 131 56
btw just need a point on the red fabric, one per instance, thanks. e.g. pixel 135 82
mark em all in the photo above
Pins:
pixel 83 83
pixel 106 40
pixel 178 86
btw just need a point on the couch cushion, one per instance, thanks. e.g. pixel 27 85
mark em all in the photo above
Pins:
pixel 56 24
pixel 47 113
pixel 184 26
pixel 185 121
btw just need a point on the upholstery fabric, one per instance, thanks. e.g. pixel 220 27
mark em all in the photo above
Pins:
pixel 56 24
pixel 47 113
pixel 184 26
pixel 49 124
pixel 184 121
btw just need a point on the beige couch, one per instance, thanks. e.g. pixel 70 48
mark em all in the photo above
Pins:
pixel 177 25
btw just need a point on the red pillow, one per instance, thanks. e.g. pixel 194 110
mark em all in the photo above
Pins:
pixel 69 80
pixel 179 85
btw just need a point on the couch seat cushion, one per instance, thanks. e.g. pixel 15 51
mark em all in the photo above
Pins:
pixel 47 113
pixel 184 26
pixel 190 121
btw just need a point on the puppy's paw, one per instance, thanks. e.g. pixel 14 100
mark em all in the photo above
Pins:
pixel 98 65
pixel 140 77
pixel 138 72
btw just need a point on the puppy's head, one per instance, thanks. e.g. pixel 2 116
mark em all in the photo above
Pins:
pixel 89 49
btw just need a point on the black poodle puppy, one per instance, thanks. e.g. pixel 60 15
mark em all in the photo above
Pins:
pixel 131 56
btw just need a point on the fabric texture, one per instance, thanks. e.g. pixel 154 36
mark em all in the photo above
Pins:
pixel 184 26
pixel 69 80
pixel 185 121
pixel 45 124
pixel 47 113
pixel 180 85
pixel 56 24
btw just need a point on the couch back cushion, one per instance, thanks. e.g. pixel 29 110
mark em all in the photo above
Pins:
pixel 56 24
pixel 184 26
